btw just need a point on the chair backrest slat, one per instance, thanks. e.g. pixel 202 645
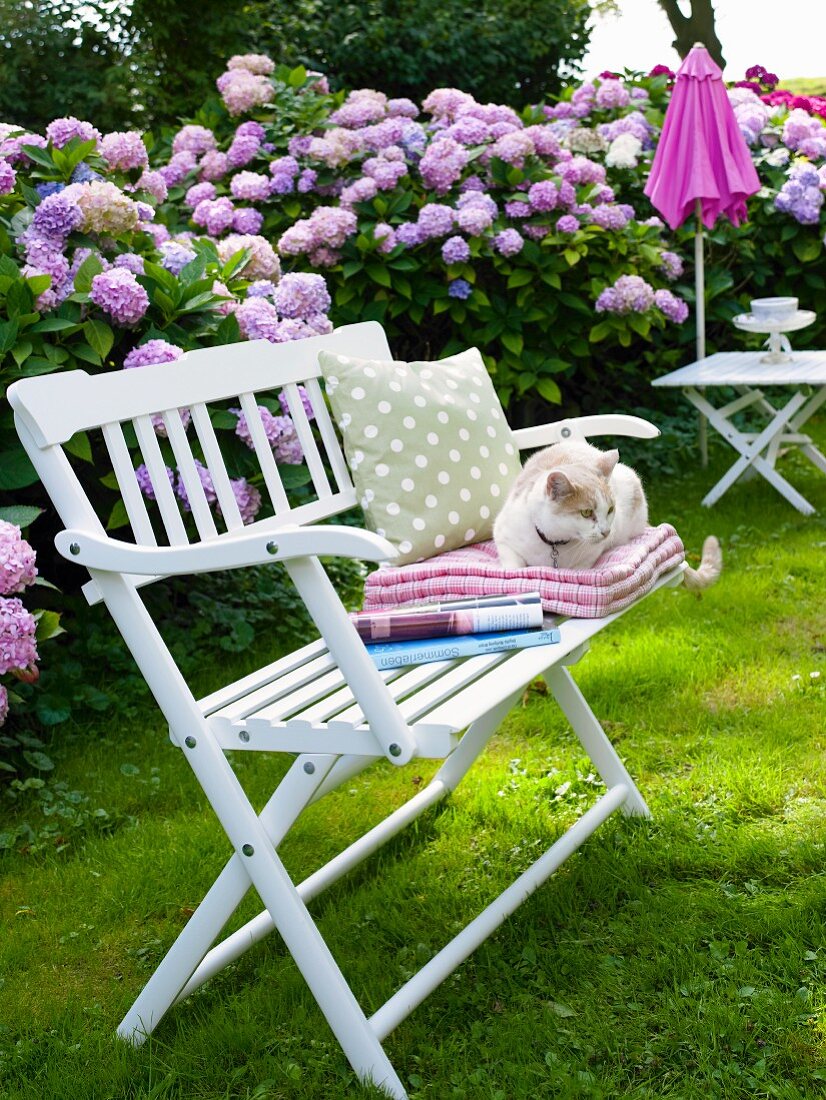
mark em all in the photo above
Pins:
pixel 128 484
pixel 328 436
pixel 215 464
pixel 308 443
pixel 263 452
pixel 164 495
pixel 188 473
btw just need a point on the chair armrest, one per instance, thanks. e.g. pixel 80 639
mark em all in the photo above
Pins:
pixel 225 552
pixel 583 427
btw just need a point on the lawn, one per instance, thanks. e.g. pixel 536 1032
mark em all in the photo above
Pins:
pixel 681 956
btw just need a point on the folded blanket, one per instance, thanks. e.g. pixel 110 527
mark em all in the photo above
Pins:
pixel 620 576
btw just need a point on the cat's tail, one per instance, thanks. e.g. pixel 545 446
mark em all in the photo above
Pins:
pixel 709 569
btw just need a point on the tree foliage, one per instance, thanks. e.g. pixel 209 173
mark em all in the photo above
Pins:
pixel 696 26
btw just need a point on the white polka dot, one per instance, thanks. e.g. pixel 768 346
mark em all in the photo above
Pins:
pixel 432 439
pixel 393 509
pixel 475 473
pixel 484 511
pixel 443 477
pixel 439 542
pixel 369 372
pixel 485 452
pixel 357 393
pixel 408 484
pixel 453 455
pixel 369 495
pixel 494 412
pixel 357 459
pixel 405 546
pixel 453 517
pixel 474 397
pixel 364 502
pixel 420 461
pixel 420 401
pixel 409 422
pixel 503 469
pixel 495 490
pixel 371 431
pixel 381 531
pixel 395 386
pixel 396 445
pixel 476 379
pixel 382 470
pixel 510 449
pixel 401 371
pixel 469 534
pixel 430 500
pixel 331 383
pixel 342 359
pixel 419 524
pixel 471 415
pixel 345 421
pixel 385 407
pixel 442 416
pixel 464 435
pixel 491 431
pixel 451 385
pixel 465 495
pixel 426 373
pixel 450 399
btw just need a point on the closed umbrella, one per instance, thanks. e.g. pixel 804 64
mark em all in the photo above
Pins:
pixel 702 163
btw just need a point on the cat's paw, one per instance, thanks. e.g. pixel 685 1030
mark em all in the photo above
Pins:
pixel 508 558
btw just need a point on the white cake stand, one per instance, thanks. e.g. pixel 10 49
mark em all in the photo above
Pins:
pixel 777 343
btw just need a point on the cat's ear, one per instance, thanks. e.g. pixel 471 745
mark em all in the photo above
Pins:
pixel 607 461
pixel 558 486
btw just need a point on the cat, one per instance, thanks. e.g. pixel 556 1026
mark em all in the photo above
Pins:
pixel 570 504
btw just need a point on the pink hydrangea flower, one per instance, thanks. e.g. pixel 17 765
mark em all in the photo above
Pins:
pixel 194 139
pixel 62 130
pixel 124 150
pixel 17 568
pixel 119 294
pixel 263 262
pixel 18 648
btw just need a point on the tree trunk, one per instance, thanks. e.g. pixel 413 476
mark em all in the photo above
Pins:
pixel 694 28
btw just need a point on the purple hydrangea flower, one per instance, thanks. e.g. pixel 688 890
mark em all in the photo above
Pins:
pixel 455 250
pixel 280 433
pixel 261 288
pixel 153 351
pixel 4 705
pixel 215 215
pixel 124 150
pixel 671 306
pixel 175 256
pixel 17 568
pixel 57 216
pixel 206 481
pixel 306 181
pixel 408 234
pixel 258 319
pixel 247 498
pixel 131 261
pixel 144 480
pixel 243 149
pixel 800 195
pixel 299 295
pixel 442 164
pixel 198 192
pixel 119 294
pixel 671 265
pixel 435 220
pixel 459 288
pixel 62 130
pixel 567 224
pixel 84 174
pixel 247 221
pixel 508 242
pixel 609 216
pixel 250 186
pixel 305 401
pixel 18 649
pixel 629 294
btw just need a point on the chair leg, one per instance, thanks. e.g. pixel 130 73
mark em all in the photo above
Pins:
pixel 184 957
pixel 593 738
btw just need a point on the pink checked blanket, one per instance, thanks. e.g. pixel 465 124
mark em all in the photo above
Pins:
pixel 619 577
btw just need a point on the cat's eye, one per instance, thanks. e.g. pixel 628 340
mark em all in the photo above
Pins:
pixel 610 510
pixel 587 513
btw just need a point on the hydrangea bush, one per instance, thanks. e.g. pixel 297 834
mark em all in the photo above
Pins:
pixel 454 222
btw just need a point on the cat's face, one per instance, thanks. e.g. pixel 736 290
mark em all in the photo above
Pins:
pixel 576 503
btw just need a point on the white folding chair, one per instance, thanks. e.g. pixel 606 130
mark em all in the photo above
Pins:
pixel 326 703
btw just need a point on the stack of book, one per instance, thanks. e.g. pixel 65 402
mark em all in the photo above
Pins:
pixel 453 628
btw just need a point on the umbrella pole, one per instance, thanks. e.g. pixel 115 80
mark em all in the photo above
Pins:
pixel 700 314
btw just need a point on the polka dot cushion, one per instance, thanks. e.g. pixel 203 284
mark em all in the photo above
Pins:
pixel 428 445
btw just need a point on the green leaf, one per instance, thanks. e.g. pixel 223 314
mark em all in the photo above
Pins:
pixel 807 248
pixel 8 336
pixel 48 625
pixel 118 517
pixel 39 760
pixel 572 256
pixel 90 267
pixel 38 283
pixel 129 769
pixel 228 331
pixel 297 76
pixel 87 354
pixel 548 389
pixel 600 331
pixel 379 274
pixel 80 447
pixel 221 418
pixel 513 342
pixel 100 337
pixel 38 155
pixel 16 471
pixel 521 277
pixel 20 514
pixel 52 324
pixel 294 476
pixel 52 713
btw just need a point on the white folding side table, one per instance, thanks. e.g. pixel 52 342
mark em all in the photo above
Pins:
pixel 802 372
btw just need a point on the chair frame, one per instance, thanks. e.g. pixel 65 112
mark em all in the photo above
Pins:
pixel 326 703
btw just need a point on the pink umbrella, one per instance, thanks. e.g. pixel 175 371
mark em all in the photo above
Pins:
pixel 702 163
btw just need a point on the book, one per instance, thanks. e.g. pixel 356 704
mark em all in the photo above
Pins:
pixel 477 615
pixel 422 651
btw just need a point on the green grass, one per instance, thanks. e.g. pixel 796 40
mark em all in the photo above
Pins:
pixel 805 85
pixel 683 956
